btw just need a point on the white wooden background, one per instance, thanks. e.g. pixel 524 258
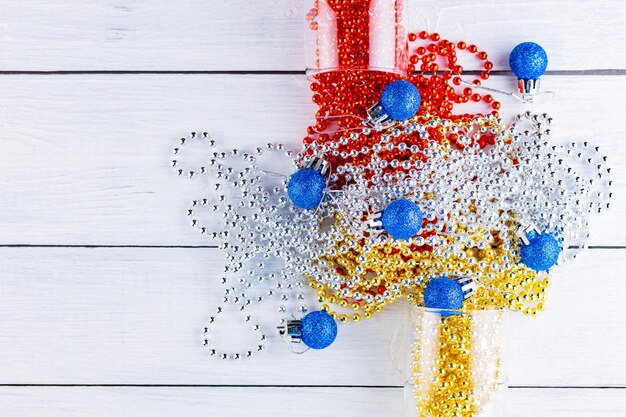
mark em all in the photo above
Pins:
pixel 103 286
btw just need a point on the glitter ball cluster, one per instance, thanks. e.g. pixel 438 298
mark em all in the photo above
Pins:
pixel 474 201
pixel 398 194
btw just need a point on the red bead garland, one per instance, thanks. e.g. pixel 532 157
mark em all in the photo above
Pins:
pixel 344 96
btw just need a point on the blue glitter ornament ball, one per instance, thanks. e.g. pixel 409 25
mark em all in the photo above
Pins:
pixel 444 293
pixel 528 61
pixel 402 219
pixel 541 253
pixel 400 100
pixel 306 188
pixel 319 330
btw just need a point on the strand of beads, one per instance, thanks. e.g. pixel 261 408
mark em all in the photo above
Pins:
pixel 457 183
pixel 562 184
pixel 427 55
pixel 488 168
pixel 247 198
pixel 368 281
pixel 458 229
pixel 347 255
pixel 455 362
pixel 451 387
pixel 402 148
pixel 343 97
pixel 494 245
pixel 245 353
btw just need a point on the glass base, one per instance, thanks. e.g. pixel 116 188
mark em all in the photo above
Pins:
pixel 454 364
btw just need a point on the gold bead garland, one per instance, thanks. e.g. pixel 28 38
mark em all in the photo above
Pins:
pixel 381 274
pixel 455 363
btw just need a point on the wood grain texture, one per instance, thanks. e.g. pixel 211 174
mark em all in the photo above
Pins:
pixel 54 35
pixel 86 157
pixel 85 162
pixel 280 402
pixel 135 316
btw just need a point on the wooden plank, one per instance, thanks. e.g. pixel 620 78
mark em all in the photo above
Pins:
pixel 134 316
pixel 85 157
pixel 54 35
pixel 279 401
